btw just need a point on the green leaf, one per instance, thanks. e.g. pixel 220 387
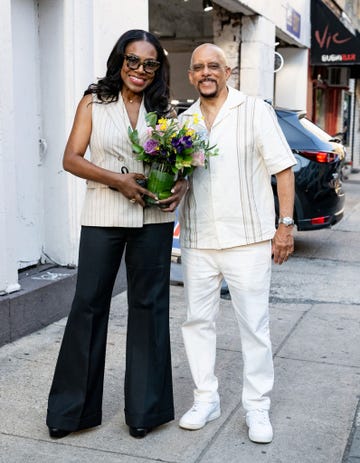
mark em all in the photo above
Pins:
pixel 134 136
pixel 141 157
pixel 151 119
pixel 137 148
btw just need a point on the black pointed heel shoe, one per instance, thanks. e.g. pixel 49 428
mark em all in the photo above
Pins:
pixel 138 432
pixel 57 433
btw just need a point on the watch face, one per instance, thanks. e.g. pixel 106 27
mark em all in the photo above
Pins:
pixel 287 221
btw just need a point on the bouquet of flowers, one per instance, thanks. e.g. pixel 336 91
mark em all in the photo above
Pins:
pixel 172 150
pixel 178 147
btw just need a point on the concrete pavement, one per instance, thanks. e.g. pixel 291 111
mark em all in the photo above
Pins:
pixel 315 321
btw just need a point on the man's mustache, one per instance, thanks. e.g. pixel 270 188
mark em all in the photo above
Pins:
pixel 207 79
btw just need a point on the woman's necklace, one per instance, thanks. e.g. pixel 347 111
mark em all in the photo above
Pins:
pixel 132 107
pixel 132 99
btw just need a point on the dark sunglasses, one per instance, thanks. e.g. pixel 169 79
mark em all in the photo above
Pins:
pixel 149 65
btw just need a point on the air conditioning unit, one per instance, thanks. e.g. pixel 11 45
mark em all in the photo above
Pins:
pixel 338 76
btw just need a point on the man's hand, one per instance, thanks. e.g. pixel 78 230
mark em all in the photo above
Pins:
pixel 282 244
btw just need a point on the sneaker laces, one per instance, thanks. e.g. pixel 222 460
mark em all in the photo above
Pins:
pixel 260 416
pixel 197 406
pixel 194 408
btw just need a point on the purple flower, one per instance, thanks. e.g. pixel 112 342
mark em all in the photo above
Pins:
pixel 186 141
pixel 176 143
pixel 151 146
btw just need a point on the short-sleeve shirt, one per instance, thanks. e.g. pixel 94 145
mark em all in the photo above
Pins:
pixel 230 203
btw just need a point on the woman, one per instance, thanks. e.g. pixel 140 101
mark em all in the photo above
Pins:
pixel 113 217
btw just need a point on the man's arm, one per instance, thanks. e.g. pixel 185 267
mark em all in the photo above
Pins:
pixel 283 241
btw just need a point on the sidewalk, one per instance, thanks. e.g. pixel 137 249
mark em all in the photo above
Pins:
pixel 315 319
pixel 317 378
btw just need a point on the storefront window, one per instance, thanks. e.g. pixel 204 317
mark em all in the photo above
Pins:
pixel 319 114
pixel 346 114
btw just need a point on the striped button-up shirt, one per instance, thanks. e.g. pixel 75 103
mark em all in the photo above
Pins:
pixel 230 203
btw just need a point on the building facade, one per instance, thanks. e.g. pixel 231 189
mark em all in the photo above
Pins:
pixel 52 49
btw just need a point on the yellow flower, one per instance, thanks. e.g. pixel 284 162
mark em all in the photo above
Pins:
pixel 190 132
pixel 163 123
pixel 196 118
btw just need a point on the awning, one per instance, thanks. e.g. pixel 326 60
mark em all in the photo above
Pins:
pixel 332 44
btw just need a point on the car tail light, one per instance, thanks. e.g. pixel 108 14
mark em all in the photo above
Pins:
pixel 319 156
pixel 319 220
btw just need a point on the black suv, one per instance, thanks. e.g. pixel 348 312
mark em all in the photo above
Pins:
pixel 319 198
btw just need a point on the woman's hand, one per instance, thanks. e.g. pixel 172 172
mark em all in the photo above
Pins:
pixel 178 191
pixel 129 185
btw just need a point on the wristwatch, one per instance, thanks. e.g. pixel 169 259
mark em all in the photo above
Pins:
pixel 287 221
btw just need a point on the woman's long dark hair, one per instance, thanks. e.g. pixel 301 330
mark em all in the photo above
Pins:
pixel 156 96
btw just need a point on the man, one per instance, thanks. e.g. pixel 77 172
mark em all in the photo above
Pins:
pixel 227 222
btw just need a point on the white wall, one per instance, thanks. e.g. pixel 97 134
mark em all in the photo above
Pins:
pixel 257 56
pixel 111 19
pixel 83 33
pixel 51 50
pixel 291 81
pixel 8 200
pixel 29 185
pixel 66 51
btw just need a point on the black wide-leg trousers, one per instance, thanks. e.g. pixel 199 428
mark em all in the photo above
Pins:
pixel 75 399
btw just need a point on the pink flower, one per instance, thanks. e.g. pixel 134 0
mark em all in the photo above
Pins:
pixel 198 159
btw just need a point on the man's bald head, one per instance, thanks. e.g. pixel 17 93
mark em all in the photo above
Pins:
pixel 208 49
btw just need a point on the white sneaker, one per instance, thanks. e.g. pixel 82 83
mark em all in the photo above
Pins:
pixel 260 429
pixel 200 414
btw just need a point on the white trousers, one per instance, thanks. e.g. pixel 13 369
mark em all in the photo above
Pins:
pixel 247 271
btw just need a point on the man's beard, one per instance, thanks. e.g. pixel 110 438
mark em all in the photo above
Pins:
pixel 209 95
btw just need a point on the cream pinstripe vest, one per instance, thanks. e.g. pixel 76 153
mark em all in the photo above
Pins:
pixel 110 149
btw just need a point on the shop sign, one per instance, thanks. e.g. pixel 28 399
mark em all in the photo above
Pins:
pixel 331 42
pixel 293 21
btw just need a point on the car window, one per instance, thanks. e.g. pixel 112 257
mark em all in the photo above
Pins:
pixel 314 129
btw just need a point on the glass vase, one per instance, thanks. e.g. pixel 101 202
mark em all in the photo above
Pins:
pixel 161 180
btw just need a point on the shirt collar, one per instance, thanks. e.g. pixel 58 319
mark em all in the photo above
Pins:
pixel 234 98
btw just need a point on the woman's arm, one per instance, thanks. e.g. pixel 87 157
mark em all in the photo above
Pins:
pixel 75 162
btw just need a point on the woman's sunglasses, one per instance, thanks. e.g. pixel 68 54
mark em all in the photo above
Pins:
pixel 149 65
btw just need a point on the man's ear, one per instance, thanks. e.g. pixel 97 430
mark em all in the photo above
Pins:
pixel 190 77
pixel 227 72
